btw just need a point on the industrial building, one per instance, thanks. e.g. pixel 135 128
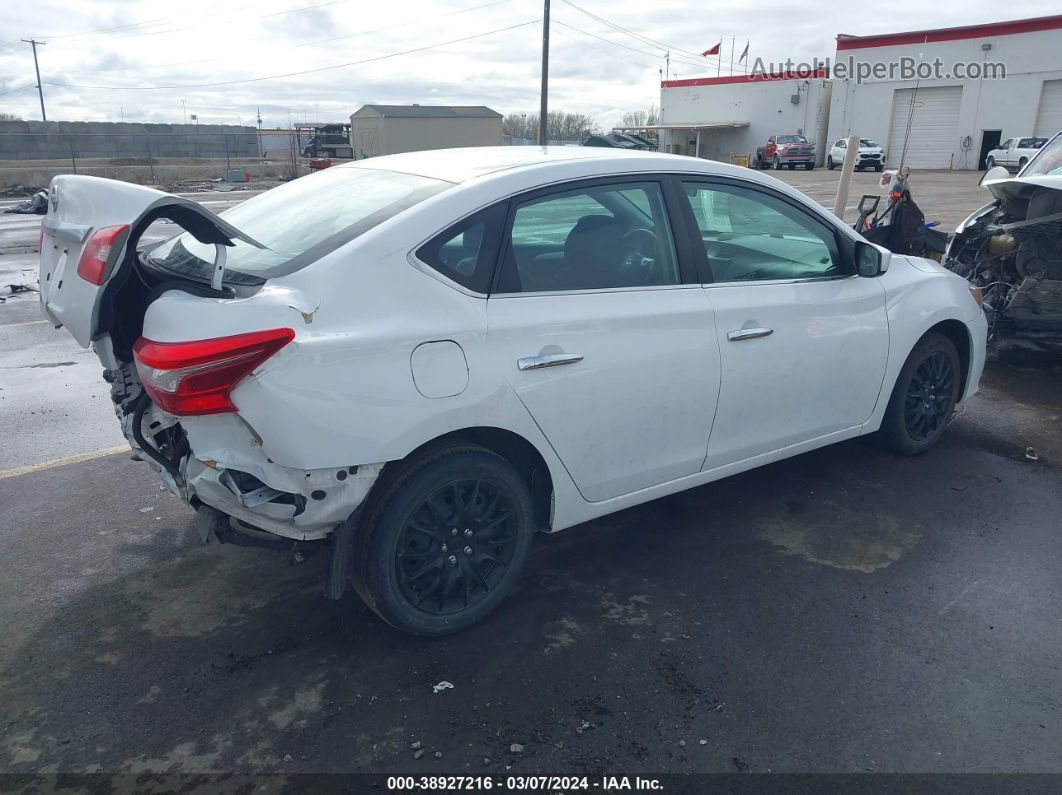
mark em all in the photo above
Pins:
pixel 715 117
pixel 953 121
pixel 948 117
pixel 389 129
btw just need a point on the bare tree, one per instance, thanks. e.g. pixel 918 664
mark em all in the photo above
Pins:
pixel 10 117
pixel 560 125
pixel 642 118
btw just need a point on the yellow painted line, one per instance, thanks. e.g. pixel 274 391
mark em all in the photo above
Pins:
pixel 62 462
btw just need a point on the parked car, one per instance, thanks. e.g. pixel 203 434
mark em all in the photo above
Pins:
pixel 871 155
pixel 418 360
pixel 1014 153
pixel 786 150
pixel 1012 250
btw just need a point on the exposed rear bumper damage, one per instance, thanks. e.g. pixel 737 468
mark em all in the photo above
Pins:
pixel 219 461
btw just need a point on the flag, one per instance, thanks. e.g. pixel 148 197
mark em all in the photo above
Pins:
pixel 744 53
pixel 713 51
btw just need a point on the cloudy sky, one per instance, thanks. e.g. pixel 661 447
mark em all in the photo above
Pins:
pixel 153 60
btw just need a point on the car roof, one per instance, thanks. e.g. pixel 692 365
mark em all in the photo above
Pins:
pixel 466 163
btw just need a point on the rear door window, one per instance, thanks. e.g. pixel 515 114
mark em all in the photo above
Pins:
pixel 603 236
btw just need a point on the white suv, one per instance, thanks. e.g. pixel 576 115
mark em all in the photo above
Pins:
pixel 871 155
pixel 416 361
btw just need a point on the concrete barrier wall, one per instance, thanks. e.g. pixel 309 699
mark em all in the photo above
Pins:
pixel 55 140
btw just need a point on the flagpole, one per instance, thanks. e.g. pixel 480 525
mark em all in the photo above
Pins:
pixel 732 55
pixel 719 58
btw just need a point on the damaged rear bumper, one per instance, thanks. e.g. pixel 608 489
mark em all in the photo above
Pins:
pixel 226 468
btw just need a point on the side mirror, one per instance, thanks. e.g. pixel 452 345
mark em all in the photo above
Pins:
pixel 994 173
pixel 871 260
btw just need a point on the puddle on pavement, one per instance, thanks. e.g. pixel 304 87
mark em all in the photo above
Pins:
pixel 840 537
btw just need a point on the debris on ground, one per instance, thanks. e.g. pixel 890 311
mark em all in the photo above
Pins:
pixel 516 748
pixel 443 685
pixel 418 753
pixel 1030 453
pixel 37 204
pixel 415 745
pixel 438 754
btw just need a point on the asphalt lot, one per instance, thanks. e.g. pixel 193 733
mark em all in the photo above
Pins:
pixel 843 611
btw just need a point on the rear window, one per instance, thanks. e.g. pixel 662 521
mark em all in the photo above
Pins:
pixel 300 222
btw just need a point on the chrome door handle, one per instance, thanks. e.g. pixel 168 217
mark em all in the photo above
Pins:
pixel 748 334
pixel 548 360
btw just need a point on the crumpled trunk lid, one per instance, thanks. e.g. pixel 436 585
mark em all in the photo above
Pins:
pixel 80 206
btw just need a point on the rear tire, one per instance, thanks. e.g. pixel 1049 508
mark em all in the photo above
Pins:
pixel 444 544
pixel 1022 163
pixel 829 164
pixel 923 398
pixel 809 166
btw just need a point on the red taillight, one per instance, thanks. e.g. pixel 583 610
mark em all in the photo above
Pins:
pixel 192 378
pixel 93 263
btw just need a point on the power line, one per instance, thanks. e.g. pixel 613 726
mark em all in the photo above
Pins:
pixel 700 62
pixel 591 46
pixel 304 71
pixel 20 88
pixel 315 41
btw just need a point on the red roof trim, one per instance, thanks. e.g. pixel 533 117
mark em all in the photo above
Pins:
pixel 798 74
pixel 846 42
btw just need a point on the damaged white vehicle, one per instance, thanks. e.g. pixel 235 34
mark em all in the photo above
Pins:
pixel 418 360
pixel 1012 250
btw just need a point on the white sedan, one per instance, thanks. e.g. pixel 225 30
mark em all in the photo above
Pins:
pixel 416 361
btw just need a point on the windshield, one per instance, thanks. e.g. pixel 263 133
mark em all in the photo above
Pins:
pixel 792 139
pixel 1047 161
pixel 866 142
pixel 301 221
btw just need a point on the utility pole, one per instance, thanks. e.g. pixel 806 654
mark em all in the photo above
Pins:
pixel 40 90
pixel 543 111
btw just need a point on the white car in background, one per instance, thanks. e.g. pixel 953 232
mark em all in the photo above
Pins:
pixel 416 361
pixel 871 155
pixel 1014 153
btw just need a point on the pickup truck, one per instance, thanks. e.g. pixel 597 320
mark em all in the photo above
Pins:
pixel 1014 153
pixel 788 150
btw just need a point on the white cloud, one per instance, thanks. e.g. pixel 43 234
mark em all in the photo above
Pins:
pixel 189 42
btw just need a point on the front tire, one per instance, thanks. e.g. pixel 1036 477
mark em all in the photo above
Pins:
pixel 446 542
pixel 990 162
pixel 829 163
pixel 923 398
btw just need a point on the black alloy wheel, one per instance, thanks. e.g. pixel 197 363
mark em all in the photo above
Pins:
pixel 929 398
pixel 455 546
pixel 923 397
pixel 443 540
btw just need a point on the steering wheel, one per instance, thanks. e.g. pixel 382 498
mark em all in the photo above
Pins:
pixel 640 248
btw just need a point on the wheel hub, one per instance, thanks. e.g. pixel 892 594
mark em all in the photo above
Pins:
pixel 928 400
pixel 435 574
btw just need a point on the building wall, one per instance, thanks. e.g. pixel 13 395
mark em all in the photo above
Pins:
pixel 372 136
pixel 765 104
pixel 1009 105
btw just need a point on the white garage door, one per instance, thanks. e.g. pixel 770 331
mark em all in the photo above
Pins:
pixel 1049 114
pixel 934 126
